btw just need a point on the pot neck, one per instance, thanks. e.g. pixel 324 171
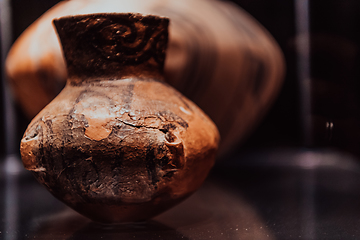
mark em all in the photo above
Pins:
pixel 113 46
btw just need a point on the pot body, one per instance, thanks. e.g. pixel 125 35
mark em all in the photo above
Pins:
pixel 119 149
pixel 123 150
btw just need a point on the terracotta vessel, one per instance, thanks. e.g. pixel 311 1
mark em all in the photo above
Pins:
pixel 118 144
pixel 218 56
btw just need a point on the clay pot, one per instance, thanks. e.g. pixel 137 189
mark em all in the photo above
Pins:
pixel 118 144
pixel 218 56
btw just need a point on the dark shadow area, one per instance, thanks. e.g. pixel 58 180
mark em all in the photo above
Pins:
pixel 300 194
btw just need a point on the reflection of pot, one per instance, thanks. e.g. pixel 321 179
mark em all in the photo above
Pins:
pixel 218 56
pixel 118 144
pixel 141 231
pixel 68 225
pixel 216 211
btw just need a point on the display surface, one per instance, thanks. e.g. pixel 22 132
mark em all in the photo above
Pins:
pixel 269 195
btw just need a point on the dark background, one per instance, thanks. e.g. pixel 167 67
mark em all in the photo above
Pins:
pixel 335 59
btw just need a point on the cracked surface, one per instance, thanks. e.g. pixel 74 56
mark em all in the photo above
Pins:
pixel 152 150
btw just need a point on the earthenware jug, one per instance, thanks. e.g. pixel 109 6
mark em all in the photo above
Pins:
pixel 118 144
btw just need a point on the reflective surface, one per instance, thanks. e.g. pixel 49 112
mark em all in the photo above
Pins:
pixel 269 195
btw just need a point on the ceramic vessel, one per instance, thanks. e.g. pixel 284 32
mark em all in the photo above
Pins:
pixel 218 56
pixel 118 144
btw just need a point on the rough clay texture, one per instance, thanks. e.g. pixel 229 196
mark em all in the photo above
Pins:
pixel 123 148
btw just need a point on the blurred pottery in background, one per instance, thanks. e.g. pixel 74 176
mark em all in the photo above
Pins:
pixel 118 144
pixel 218 56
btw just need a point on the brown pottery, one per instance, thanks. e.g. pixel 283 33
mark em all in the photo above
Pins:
pixel 118 144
